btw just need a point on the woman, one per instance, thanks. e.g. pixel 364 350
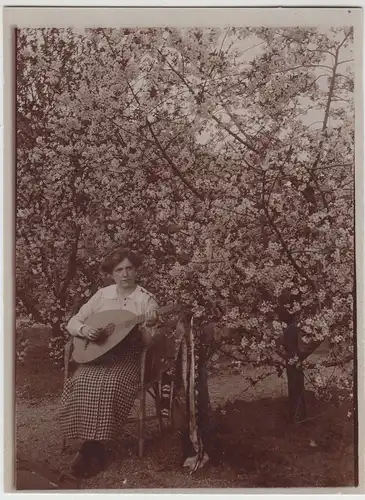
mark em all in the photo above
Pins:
pixel 100 395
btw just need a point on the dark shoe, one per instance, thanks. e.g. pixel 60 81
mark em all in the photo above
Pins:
pixel 89 460
pixel 97 458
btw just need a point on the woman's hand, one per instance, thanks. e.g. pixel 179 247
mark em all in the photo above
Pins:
pixel 151 319
pixel 90 333
pixel 147 334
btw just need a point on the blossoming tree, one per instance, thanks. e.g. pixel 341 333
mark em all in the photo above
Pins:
pixel 197 147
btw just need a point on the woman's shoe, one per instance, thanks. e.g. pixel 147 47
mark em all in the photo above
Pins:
pixel 97 458
pixel 89 460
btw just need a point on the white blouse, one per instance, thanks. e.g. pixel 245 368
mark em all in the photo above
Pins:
pixel 140 301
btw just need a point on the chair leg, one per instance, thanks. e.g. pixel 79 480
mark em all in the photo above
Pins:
pixel 157 389
pixel 66 359
pixel 141 422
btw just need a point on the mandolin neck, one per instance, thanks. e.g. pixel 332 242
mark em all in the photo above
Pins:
pixel 141 318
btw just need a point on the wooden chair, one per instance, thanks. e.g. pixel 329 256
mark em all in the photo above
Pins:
pixel 152 368
pixel 153 365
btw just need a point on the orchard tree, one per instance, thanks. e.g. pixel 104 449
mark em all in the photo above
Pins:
pixel 203 156
pixel 265 177
pixel 53 269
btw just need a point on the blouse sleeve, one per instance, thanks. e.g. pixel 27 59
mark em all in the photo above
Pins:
pixel 77 322
pixel 151 305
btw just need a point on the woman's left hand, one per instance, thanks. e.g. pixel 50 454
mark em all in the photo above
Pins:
pixel 151 319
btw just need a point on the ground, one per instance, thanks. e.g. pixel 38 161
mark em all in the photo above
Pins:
pixel 254 445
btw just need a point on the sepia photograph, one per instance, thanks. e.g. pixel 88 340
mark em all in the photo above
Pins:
pixel 185 277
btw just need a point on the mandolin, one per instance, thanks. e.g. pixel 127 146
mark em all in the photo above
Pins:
pixel 115 325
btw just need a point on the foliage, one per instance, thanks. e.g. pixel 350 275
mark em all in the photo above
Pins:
pixel 197 147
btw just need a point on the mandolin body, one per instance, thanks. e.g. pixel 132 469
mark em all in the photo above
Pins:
pixel 117 323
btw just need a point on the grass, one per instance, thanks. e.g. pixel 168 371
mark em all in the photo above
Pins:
pixel 253 444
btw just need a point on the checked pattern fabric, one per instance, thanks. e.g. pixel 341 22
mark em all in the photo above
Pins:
pixel 98 398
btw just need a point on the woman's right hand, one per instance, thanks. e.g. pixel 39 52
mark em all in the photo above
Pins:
pixel 90 333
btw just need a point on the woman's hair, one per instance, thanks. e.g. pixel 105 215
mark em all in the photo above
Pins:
pixel 117 256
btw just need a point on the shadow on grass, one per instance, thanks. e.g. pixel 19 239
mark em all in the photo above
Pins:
pixel 256 437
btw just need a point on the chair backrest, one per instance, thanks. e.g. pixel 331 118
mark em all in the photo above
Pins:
pixel 163 352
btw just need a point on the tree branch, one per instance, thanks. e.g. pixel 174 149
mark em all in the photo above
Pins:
pixel 71 268
pixel 116 57
pixel 285 247
pixel 191 90
pixel 172 165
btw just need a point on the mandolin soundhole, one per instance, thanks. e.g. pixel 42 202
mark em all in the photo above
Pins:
pixel 107 331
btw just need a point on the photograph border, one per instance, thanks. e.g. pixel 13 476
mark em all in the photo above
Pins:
pixel 159 16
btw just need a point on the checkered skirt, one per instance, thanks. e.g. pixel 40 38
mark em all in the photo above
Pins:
pixel 99 396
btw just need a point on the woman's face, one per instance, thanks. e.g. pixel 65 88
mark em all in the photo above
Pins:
pixel 124 274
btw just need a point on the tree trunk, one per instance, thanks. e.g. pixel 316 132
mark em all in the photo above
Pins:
pixel 205 412
pixel 180 418
pixel 297 409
